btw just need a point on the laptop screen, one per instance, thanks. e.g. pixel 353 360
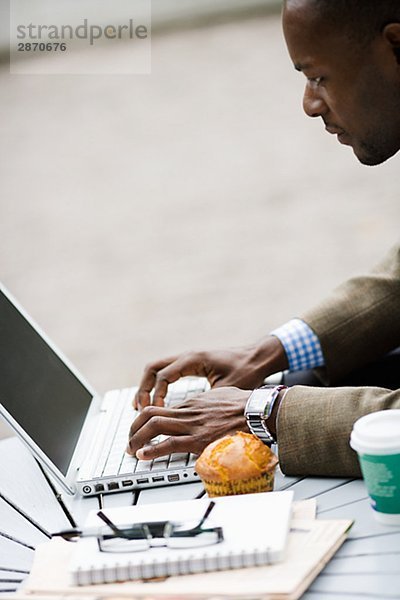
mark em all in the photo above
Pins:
pixel 38 389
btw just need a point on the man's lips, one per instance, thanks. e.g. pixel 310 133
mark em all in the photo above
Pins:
pixel 333 130
pixel 343 138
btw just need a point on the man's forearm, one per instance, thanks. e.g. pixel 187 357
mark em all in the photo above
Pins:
pixel 314 427
pixel 359 322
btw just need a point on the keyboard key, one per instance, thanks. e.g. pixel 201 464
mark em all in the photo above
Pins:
pixel 162 437
pixel 160 465
pixel 161 458
pixel 197 386
pixel 128 465
pixel 178 459
pixel 111 469
pixel 174 399
pixel 143 465
pixel 192 459
pixel 113 464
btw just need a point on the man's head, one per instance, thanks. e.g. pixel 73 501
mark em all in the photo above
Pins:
pixel 349 50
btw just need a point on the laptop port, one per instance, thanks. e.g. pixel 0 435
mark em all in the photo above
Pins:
pixel 99 487
pixel 141 481
pixel 113 486
pixel 86 489
pixel 157 479
pixel 127 483
pixel 173 477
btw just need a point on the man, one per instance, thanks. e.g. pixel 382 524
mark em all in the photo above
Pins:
pixel 349 51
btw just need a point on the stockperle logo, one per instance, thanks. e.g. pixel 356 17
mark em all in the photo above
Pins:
pixel 89 36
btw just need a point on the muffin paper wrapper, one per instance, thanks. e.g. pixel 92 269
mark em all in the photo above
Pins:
pixel 262 483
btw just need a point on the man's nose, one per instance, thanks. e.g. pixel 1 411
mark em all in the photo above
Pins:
pixel 313 104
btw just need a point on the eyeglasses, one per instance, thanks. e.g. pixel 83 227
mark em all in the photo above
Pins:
pixel 158 534
pixel 153 534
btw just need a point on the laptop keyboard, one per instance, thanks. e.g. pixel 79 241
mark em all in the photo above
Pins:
pixel 113 459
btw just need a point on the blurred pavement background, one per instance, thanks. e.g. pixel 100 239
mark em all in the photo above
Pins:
pixel 196 207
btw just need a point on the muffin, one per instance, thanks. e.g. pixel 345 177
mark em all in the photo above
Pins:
pixel 237 464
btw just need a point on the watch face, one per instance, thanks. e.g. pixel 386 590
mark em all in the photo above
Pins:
pixel 257 402
pixel 256 409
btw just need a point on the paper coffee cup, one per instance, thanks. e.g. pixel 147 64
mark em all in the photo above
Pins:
pixel 376 439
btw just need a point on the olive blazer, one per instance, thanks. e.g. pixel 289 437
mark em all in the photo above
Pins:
pixel 357 324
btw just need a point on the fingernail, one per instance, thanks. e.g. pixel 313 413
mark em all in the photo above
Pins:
pixel 140 454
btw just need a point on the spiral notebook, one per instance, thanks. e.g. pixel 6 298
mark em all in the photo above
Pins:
pixel 255 529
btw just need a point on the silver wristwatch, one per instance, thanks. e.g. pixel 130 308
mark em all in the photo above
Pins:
pixel 258 408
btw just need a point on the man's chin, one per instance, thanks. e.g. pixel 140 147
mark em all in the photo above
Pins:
pixel 368 161
pixel 371 157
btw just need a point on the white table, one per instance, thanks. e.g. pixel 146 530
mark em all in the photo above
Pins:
pixel 368 564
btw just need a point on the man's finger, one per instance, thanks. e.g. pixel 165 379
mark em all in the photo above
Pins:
pixel 142 396
pixel 152 428
pixel 172 444
pixel 188 364
pixel 148 413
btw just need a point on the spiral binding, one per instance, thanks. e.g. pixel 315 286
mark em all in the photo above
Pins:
pixel 181 565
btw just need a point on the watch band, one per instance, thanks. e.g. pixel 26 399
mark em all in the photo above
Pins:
pixel 258 408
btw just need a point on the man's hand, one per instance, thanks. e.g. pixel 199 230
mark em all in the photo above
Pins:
pixel 245 367
pixel 191 425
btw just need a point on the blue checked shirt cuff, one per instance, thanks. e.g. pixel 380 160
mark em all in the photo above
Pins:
pixel 302 346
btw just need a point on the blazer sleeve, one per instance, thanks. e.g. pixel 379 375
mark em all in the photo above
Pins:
pixel 360 321
pixel 314 427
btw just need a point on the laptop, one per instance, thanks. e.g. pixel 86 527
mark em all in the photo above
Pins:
pixel 78 436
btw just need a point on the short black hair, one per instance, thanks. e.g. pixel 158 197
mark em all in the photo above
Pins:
pixel 362 20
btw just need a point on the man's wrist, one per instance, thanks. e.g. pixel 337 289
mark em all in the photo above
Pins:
pixel 272 420
pixel 268 356
pixel 260 412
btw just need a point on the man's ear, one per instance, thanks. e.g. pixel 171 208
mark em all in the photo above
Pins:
pixel 391 34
